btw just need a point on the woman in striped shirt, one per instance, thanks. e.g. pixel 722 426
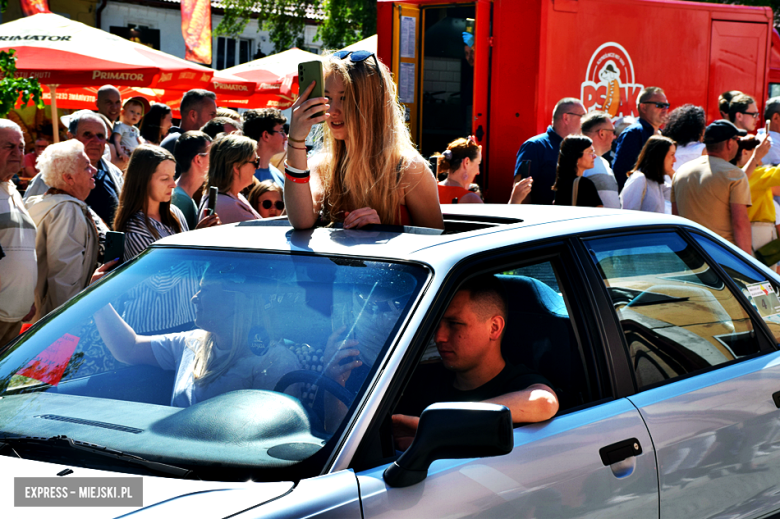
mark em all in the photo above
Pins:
pixel 145 214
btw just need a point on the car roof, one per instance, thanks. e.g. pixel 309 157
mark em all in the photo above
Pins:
pixel 486 226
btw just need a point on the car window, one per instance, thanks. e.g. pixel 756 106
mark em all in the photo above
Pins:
pixel 677 315
pixel 755 286
pixel 539 335
pixel 215 357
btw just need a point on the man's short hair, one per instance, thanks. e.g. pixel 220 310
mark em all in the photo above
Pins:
pixel 262 120
pixel 563 106
pixel 487 295
pixel 193 99
pixel 772 107
pixel 187 147
pixel 649 92
pixel 105 89
pixel 217 125
pixel 739 103
pixel 593 120
pixel 716 147
pixel 83 115
pixel 7 124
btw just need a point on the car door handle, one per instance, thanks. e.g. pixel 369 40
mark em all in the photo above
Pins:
pixel 619 451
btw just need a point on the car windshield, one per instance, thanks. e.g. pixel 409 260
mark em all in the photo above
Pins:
pixel 200 359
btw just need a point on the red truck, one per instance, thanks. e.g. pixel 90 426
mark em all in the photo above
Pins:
pixel 496 68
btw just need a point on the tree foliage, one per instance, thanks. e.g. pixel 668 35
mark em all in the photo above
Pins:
pixel 11 87
pixel 344 22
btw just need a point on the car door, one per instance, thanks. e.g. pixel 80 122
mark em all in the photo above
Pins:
pixel 706 373
pixel 570 466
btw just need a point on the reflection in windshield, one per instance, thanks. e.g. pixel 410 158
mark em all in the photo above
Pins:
pixel 276 351
pixel 216 357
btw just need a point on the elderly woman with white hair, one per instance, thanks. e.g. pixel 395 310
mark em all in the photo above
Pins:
pixel 67 242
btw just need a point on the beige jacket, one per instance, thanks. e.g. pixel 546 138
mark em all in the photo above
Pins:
pixel 66 246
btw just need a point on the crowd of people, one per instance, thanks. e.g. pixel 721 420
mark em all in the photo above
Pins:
pixel 723 176
pixel 126 168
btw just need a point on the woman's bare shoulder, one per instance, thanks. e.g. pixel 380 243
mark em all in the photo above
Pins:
pixel 415 167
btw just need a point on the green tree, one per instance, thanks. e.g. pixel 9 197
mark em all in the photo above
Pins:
pixel 11 87
pixel 344 21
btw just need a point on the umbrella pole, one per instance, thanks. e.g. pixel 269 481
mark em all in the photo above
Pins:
pixel 55 119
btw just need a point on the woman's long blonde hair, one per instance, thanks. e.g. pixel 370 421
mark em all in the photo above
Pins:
pixel 368 173
pixel 248 312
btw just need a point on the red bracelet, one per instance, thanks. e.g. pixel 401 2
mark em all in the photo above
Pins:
pixel 304 180
pixel 296 147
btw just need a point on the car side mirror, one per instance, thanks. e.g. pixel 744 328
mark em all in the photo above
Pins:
pixel 452 431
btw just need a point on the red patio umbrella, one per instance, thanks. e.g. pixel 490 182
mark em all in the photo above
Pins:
pixel 276 77
pixel 62 53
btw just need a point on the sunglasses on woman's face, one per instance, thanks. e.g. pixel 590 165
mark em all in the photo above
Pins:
pixel 267 204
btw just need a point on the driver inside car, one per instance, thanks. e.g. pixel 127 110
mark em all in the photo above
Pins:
pixel 472 368
pixel 216 357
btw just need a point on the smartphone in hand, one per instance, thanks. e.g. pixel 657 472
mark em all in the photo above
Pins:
pixel 213 194
pixel 308 72
pixel 115 247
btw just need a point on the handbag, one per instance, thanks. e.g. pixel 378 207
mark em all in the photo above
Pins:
pixel 769 254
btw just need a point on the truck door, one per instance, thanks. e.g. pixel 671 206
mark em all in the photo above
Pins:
pixel 737 62
pixel 439 58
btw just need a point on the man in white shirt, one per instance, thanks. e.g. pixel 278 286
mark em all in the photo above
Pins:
pixel 772 114
pixel 598 127
pixel 18 271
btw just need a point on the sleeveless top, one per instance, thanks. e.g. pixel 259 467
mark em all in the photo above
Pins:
pixel 451 194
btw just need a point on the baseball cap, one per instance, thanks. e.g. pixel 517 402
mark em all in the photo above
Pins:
pixel 721 130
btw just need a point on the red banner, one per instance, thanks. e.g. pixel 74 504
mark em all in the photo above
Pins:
pixel 31 7
pixel 196 29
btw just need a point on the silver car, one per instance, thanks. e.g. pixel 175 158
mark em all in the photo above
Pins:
pixel 204 367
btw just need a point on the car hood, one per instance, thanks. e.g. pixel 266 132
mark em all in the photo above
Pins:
pixel 162 497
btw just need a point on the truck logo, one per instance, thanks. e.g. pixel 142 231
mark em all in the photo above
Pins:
pixel 609 83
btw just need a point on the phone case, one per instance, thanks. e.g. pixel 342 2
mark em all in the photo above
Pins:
pixel 311 71
pixel 115 246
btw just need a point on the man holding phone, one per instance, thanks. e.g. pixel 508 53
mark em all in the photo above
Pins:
pixel 772 116
pixel 542 150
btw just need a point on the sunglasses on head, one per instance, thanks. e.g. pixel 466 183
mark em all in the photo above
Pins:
pixel 359 56
pixel 267 204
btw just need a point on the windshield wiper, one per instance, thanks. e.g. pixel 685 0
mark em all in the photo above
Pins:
pixel 64 442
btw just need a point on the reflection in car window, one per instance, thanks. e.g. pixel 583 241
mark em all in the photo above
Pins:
pixel 677 315
pixel 744 275
pixel 218 357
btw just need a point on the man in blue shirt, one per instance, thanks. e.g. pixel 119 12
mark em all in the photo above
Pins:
pixel 266 126
pixel 653 111
pixel 542 150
